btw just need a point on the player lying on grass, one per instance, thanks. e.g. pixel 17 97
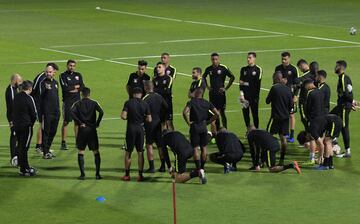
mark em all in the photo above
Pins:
pixel 84 114
pixel 231 150
pixel 264 146
pixel 183 151
pixel 323 130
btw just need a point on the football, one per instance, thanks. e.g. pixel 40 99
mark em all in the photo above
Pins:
pixel 353 31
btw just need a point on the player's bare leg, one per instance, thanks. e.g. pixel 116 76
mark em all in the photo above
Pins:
pixel 196 157
pixel 283 149
pixel 64 133
pixel 127 160
pixel 140 166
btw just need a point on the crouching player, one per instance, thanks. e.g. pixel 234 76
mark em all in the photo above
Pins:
pixel 231 150
pixel 265 146
pixel 84 114
pixel 324 129
pixel 183 151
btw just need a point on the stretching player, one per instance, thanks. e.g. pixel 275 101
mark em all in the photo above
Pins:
pixel 323 129
pixel 84 115
pixel 231 150
pixel 265 146
pixel 183 151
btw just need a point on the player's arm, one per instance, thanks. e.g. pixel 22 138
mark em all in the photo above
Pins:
pixel 101 114
pixel 205 78
pixel 215 114
pixel 347 88
pixel 9 107
pixel 148 117
pixel 65 86
pixel 169 85
pixel 269 96
pixel 186 113
pixel 74 114
pixel 231 78
pixel 32 109
pixel 81 82
pixel 124 111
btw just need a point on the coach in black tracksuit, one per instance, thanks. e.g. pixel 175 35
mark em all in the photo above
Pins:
pixel 84 115
pixel 250 83
pixel 344 102
pixel 71 84
pixel 10 93
pixel 281 99
pixel 136 112
pixel 50 109
pixel 24 117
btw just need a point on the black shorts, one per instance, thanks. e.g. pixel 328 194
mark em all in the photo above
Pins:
pixel 278 126
pixel 180 163
pixel 87 136
pixel 153 134
pixel 198 136
pixel 218 100
pixel 169 112
pixel 333 131
pixel 269 156
pixel 66 109
pixel 135 138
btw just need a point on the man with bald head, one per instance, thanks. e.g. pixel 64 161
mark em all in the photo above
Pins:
pixel 11 91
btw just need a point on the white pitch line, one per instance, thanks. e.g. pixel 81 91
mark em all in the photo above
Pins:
pixel 222 38
pixel 99 44
pixel 167 41
pixel 55 61
pixel 190 21
pixel 239 52
pixel 329 39
pixel 70 53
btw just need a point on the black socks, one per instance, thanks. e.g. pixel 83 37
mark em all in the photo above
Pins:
pixel 81 164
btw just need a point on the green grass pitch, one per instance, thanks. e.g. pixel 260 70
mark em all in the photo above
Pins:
pixel 35 32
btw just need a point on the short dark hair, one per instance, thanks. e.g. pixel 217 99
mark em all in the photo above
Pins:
pixel 342 63
pixel 277 76
pixel 285 54
pixel 70 61
pixel 85 92
pixel 322 73
pixel 198 92
pixel 197 69
pixel 26 85
pixel 137 90
pixel 167 54
pixel 214 54
pixel 142 63
pixel 308 81
pixel 252 53
pixel 303 137
pixel 53 65
pixel 301 62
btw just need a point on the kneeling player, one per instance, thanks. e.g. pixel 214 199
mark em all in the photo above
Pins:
pixel 231 150
pixel 323 129
pixel 265 146
pixel 183 151
pixel 84 114
pixel 198 108
pixel 136 112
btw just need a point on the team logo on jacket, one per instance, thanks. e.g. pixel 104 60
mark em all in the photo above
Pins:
pixel 289 72
pixel 156 83
pixel 245 72
pixel 77 77
pixel 219 72
pixel 349 88
pixel 253 73
pixel 168 72
pixel 56 86
pixel 135 80
pixel 68 78
pixel 164 82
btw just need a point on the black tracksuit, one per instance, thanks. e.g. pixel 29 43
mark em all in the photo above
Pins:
pixel 163 86
pixel 50 109
pixel 135 80
pixel 344 104
pixel 251 78
pixel 314 105
pixel 24 116
pixel 325 89
pixel 10 93
pixel 199 83
pixel 36 93
pixel 230 148
pixel 68 81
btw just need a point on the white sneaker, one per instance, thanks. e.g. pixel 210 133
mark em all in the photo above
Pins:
pixel 14 161
pixel 202 177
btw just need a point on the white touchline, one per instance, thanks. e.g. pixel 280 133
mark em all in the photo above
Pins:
pixel 70 53
pixel 240 52
pixel 168 41
pixel 329 39
pixel 189 21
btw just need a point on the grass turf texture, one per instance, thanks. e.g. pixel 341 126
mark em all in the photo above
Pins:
pixel 242 197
